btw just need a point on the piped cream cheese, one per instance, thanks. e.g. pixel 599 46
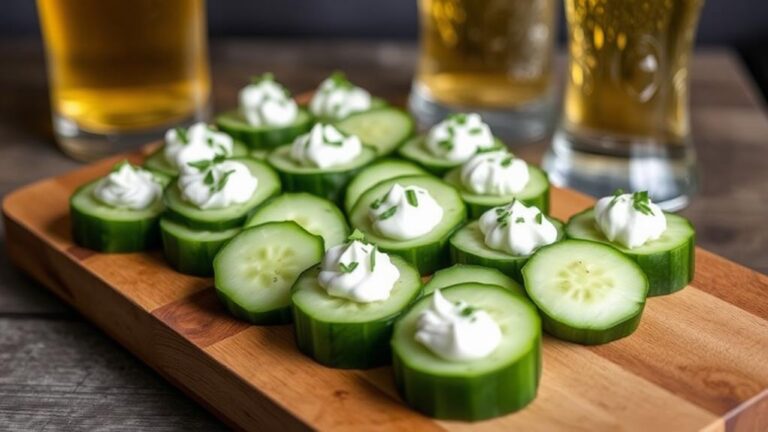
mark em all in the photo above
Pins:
pixel 459 137
pixel 630 220
pixel 128 187
pixel 495 173
pixel 266 103
pixel 405 212
pixel 217 184
pixel 337 98
pixel 325 147
pixel 198 142
pixel 359 272
pixel 516 229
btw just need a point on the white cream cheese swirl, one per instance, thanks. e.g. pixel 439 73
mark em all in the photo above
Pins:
pixel 199 142
pixel 337 98
pixel 325 147
pixel 128 187
pixel 359 272
pixel 266 102
pixel 217 184
pixel 459 137
pixel 457 331
pixel 516 229
pixel 405 212
pixel 495 173
pixel 630 220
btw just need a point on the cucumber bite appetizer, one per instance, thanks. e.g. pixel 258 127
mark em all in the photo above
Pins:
pixel 587 292
pixel 462 273
pixel 468 352
pixel 661 243
pixel 344 308
pixel 494 178
pixel 450 143
pixel 381 170
pixel 199 142
pixel 254 272
pixel 504 238
pixel 411 216
pixel 120 211
pixel 267 117
pixel 320 162
pixel 337 98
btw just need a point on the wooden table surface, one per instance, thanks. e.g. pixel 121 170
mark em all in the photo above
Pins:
pixel 59 372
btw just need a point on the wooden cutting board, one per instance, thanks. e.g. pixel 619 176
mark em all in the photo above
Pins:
pixel 699 360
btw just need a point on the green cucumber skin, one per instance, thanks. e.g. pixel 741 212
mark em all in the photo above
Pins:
pixel 471 399
pixel 272 317
pixel 328 185
pixel 221 225
pixel 260 138
pixel 511 267
pixel 668 271
pixel 566 332
pixel 114 236
pixel 188 256
pixel 426 258
pixel 475 210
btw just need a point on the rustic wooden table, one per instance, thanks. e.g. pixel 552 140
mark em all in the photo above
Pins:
pixel 59 372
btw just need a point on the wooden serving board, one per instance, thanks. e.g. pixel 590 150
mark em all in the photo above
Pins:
pixel 699 360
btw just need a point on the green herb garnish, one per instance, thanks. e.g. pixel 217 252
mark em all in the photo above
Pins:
pixel 356 235
pixel 459 118
pixel 539 218
pixel 445 144
pixel 182 134
pixel 348 268
pixel 467 311
pixel 208 179
pixel 373 257
pixel 475 131
pixel 388 214
pixel 410 195
pixel 519 220
pixel 641 202
pixel 223 180
pixel 507 161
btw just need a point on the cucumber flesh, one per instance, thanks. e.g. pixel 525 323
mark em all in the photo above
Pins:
pixel 463 273
pixel 192 251
pixel 158 163
pixel 587 292
pixel 385 129
pixel 346 334
pixel 667 261
pixel 414 151
pixel 254 271
pixel 316 215
pixel 379 171
pixel 500 383
pixel 260 137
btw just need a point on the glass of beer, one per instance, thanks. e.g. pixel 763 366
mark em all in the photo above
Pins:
pixel 625 114
pixel 120 72
pixel 493 57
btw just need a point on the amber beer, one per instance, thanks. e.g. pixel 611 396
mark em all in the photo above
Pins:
pixel 628 70
pixel 485 53
pixel 118 65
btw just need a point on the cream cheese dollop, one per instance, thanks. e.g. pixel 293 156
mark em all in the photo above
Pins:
pixel 199 142
pixel 459 137
pixel 358 271
pixel 324 147
pixel 495 173
pixel 630 220
pixel 128 187
pixel 217 184
pixel 457 331
pixel 337 98
pixel 516 229
pixel 405 212
pixel 265 102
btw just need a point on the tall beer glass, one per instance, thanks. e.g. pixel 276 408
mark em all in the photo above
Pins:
pixel 493 57
pixel 625 115
pixel 121 71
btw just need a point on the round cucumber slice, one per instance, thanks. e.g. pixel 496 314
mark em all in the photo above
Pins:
pixel 326 183
pixel 414 150
pixel 342 333
pixel 259 137
pixel 156 161
pixel 230 217
pixel 385 129
pixel 316 215
pixel 378 171
pixel 429 252
pixel 254 272
pixel 100 227
pixel 667 261
pixel 192 251
pixel 535 193
pixel 500 383
pixel 463 273
pixel 376 103
pixel 587 292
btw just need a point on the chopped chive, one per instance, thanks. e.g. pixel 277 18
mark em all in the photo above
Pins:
pixel 459 118
pixel 410 195
pixel 208 179
pixel 356 235
pixel 223 180
pixel 388 214
pixel 641 202
pixel 507 161
pixel 539 218
pixel 500 210
pixel 446 144
pixel 467 311
pixel 475 131
pixel 373 257
pixel 519 220
pixel 201 165
pixel 377 203
pixel 348 268
pixel 182 134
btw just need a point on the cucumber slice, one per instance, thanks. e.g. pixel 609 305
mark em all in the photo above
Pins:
pixel 463 273
pixel 385 129
pixel 342 333
pixel 100 227
pixel 430 252
pixel 468 246
pixel 376 103
pixel 156 161
pixel 374 173
pixel 414 151
pixel 258 137
pixel 259 154
pixel 225 218
pixel 501 383
pixel 316 215
pixel 254 272
pixel 535 193
pixel 588 292
pixel 667 261
pixel 328 183
pixel 192 251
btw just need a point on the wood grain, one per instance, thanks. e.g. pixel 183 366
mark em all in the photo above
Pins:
pixel 697 360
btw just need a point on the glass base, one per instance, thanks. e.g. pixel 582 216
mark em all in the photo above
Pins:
pixel 668 173
pixel 87 146
pixel 519 125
